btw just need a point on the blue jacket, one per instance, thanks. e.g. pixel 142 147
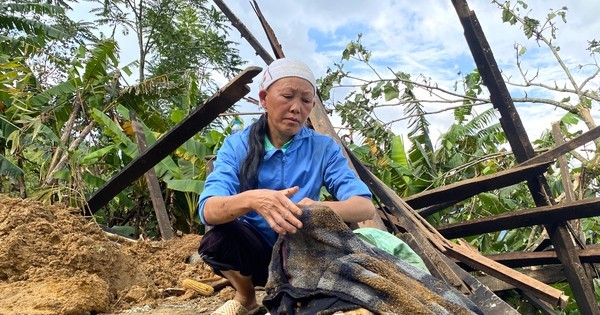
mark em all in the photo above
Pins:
pixel 310 161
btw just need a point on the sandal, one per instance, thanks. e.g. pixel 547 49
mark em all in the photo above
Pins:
pixel 233 307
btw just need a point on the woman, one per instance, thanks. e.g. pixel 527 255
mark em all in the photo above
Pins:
pixel 263 175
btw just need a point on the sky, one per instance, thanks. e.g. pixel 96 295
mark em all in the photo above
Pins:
pixel 420 38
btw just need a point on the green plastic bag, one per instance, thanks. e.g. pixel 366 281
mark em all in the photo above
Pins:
pixel 391 244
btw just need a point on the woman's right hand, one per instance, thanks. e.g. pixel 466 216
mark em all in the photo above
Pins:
pixel 278 210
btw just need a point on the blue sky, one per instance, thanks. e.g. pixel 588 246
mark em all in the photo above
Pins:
pixel 417 37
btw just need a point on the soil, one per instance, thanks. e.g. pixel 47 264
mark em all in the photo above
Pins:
pixel 54 261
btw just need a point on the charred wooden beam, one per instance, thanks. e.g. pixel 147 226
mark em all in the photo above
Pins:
pixel 201 117
pixel 471 187
pixel 510 220
pixel 511 123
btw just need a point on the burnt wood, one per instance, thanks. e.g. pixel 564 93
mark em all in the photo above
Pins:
pixel 201 117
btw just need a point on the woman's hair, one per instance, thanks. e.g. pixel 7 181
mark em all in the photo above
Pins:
pixel 256 152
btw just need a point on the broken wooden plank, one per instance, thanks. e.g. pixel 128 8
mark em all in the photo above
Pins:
pixel 467 188
pixel 566 147
pixel 581 286
pixel 546 274
pixel 199 118
pixel 528 259
pixel 277 49
pixel 510 220
pixel 506 274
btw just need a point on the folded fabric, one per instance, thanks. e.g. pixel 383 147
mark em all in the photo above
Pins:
pixel 325 268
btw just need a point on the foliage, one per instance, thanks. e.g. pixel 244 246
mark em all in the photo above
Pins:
pixel 62 140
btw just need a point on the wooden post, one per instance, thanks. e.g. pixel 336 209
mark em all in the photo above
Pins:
pixel 566 181
pixel 158 203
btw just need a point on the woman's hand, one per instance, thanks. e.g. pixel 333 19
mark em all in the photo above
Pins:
pixel 278 210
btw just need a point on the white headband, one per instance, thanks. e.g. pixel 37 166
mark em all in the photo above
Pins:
pixel 283 68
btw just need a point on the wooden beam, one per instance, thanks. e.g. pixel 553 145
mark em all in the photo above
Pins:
pixel 528 259
pixel 548 156
pixel 484 298
pixel 537 288
pixel 510 220
pixel 566 147
pixel 546 274
pixel 244 32
pixel 275 45
pixel 199 118
pixel 466 188
pixel 523 150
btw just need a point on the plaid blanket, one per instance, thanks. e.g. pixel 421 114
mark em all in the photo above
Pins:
pixel 325 268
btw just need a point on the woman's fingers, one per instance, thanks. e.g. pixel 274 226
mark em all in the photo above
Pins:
pixel 284 221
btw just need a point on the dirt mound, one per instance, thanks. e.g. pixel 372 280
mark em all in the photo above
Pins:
pixel 53 261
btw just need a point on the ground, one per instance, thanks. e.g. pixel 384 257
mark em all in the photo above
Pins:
pixel 54 261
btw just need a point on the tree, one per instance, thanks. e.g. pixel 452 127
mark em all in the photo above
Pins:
pixel 65 134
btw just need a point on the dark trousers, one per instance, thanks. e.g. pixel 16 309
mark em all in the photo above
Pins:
pixel 237 246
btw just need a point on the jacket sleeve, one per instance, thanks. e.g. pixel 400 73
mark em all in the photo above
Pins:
pixel 224 179
pixel 340 180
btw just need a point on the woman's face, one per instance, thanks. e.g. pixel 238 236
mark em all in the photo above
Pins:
pixel 288 102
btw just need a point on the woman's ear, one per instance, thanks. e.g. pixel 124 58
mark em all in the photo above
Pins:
pixel 262 95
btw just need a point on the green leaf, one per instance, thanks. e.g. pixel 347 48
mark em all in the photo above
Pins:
pixel 390 92
pixel 7 168
pixel 114 131
pixel 398 152
pixel 124 229
pixel 63 174
pixel 508 17
pixel 98 154
pixel 186 185
pixel 570 119
pixel 62 89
